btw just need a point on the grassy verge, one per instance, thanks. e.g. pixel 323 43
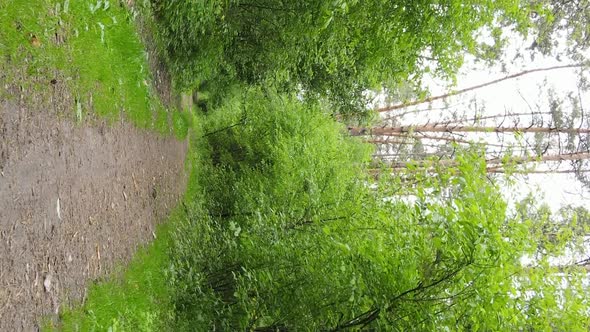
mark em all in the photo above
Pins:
pixel 90 47
pixel 135 300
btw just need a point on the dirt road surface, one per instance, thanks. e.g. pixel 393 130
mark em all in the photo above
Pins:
pixel 75 201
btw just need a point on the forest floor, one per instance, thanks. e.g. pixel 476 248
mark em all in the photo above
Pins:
pixel 77 198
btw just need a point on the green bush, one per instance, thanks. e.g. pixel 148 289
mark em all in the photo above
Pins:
pixel 274 166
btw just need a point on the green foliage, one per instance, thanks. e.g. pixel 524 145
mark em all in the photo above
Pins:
pixel 274 166
pixel 332 50
pixel 561 27
pixel 181 122
pixel 286 233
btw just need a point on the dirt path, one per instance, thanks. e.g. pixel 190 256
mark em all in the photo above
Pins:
pixel 74 202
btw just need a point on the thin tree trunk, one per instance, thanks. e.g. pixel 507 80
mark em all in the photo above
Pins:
pixel 557 171
pixel 523 160
pixel 430 137
pixel 395 131
pixel 494 116
pixel 494 164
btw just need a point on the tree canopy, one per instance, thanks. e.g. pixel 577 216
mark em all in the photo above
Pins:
pixel 329 50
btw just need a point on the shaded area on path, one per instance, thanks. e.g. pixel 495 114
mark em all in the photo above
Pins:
pixel 75 201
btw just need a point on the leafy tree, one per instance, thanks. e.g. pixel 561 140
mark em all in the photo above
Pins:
pixel 561 25
pixel 549 138
pixel 332 50
pixel 561 233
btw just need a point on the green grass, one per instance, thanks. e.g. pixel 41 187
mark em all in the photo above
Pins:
pixel 92 46
pixel 135 300
pixel 181 121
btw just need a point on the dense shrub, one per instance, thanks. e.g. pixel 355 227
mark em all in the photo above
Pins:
pixel 274 166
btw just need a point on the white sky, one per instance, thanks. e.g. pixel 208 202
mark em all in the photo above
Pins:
pixel 513 96
pixel 558 189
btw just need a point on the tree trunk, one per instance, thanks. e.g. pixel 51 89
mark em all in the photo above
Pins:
pixel 395 131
